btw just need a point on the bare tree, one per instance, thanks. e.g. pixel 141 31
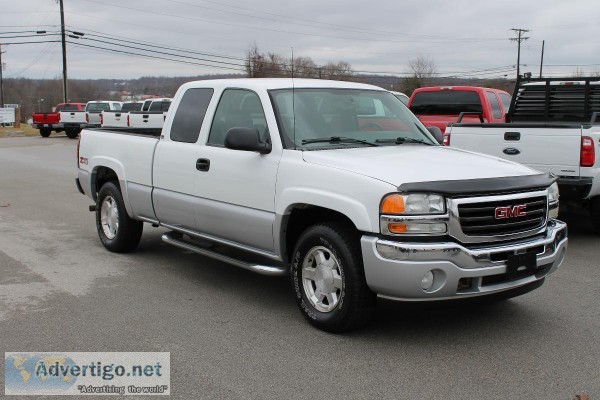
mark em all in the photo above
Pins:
pixel 339 71
pixel 423 70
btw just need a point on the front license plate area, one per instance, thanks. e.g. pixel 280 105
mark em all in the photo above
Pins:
pixel 519 263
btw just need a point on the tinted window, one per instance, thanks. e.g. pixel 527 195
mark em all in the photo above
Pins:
pixel 496 111
pixel 237 109
pixel 190 115
pixel 131 107
pixel 117 106
pixel 146 105
pixel 67 107
pixel 160 106
pixel 505 101
pixel 446 102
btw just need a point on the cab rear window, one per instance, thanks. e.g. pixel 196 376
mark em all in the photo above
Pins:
pixel 448 102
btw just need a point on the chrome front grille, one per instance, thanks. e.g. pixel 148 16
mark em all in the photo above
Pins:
pixel 505 216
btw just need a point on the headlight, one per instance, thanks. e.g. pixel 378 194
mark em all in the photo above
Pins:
pixel 416 214
pixel 413 204
pixel 553 196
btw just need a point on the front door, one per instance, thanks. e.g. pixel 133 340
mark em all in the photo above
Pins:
pixel 235 190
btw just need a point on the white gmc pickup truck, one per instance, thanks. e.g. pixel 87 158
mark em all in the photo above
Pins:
pixel 336 184
pixel 552 126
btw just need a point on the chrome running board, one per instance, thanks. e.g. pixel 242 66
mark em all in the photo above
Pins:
pixel 175 239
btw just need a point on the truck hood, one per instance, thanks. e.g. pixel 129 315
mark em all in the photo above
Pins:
pixel 408 163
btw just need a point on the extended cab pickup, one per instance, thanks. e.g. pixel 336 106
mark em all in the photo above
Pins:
pixel 441 105
pixel 94 108
pixel 48 122
pixel 282 176
pixel 153 118
pixel 552 126
pixel 118 119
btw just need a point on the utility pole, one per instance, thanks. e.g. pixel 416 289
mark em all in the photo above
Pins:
pixel 1 81
pixel 64 49
pixel 542 59
pixel 520 38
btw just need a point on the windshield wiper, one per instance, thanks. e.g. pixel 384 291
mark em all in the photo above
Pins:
pixel 337 139
pixel 401 140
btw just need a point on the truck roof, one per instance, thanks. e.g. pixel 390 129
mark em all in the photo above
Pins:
pixel 278 83
pixel 457 88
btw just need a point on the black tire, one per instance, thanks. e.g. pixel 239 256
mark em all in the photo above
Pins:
pixel 45 132
pixel 355 301
pixel 72 133
pixel 595 214
pixel 127 232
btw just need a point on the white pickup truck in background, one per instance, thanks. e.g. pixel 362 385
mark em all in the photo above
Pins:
pixel 153 118
pixel 118 119
pixel 94 108
pixel 282 176
pixel 552 126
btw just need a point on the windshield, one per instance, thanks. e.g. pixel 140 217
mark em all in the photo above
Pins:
pixel 446 102
pixel 305 116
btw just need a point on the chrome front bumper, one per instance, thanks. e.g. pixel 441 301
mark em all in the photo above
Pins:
pixel 395 269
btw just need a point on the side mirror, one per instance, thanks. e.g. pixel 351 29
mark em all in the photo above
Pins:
pixel 247 139
pixel 437 133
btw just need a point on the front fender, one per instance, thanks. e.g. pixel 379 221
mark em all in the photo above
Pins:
pixel 350 207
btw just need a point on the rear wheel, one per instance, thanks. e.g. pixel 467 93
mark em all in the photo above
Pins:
pixel 118 232
pixel 72 133
pixel 329 280
pixel 45 132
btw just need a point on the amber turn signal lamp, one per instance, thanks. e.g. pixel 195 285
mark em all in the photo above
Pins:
pixel 397 228
pixel 392 204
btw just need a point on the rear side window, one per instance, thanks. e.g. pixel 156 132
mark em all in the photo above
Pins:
pixel 446 102
pixel 496 111
pixel 505 99
pixel 190 115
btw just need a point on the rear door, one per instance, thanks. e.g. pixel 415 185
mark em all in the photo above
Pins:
pixel 553 149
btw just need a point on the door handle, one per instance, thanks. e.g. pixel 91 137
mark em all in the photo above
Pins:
pixel 203 164
pixel 514 136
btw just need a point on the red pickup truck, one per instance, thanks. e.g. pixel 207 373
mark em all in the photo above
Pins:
pixel 48 122
pixel 442 105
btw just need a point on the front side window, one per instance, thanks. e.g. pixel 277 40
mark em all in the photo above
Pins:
pixel 446 102
pixel 333 118
pixel 237 108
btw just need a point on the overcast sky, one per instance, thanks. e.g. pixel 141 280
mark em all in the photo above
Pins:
pixel 465 38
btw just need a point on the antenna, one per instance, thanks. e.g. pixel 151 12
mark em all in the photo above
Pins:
pixel 293 101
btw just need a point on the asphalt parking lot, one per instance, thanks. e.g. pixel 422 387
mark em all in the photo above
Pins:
pixel 236 335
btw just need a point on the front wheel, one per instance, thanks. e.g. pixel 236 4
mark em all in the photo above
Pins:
pixel 118 233
pixel 329 280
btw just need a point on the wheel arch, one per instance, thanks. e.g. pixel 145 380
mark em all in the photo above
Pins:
pixel 110 172
pixel 298 218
